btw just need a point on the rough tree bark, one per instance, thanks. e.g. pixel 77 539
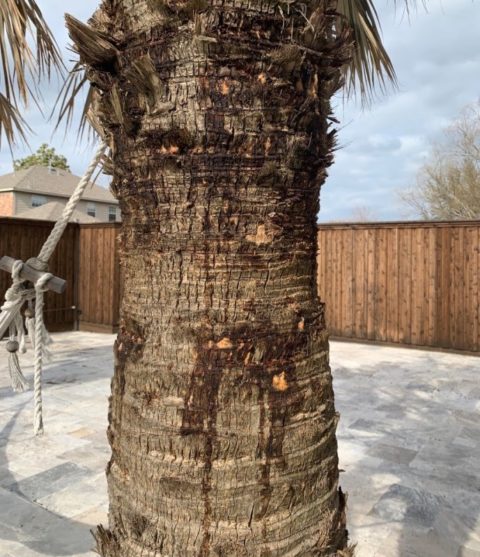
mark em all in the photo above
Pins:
pixel 222 418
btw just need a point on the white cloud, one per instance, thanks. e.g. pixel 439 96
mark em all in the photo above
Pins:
pixel 437 61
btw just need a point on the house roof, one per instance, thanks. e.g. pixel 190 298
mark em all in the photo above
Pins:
pixel 53 211
pixel 55 182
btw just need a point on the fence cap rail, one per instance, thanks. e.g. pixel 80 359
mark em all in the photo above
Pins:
pixel 399 224
pixel 50 223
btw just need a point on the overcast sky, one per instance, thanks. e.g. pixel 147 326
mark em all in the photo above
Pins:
pixel 436 54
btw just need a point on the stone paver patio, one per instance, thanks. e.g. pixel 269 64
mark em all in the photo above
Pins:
pixel 409 442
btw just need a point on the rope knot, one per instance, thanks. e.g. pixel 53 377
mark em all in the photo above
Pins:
pixel 16 270
pixel 41 284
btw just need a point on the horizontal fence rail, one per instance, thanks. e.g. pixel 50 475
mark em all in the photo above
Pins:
pixel 409 283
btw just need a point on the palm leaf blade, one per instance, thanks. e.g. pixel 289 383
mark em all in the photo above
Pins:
pixel 370 67
pixel 20 19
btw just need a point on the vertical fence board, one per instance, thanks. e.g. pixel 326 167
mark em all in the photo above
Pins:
pixel 380 284
pixel 361 283
pixel 475 288
pixel 447 301
pixel 99 284
pixel 417 286
pixel 349 280
pixel 392 331
pixel 405 272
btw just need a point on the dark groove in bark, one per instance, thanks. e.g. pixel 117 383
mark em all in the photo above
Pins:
pixel 199 418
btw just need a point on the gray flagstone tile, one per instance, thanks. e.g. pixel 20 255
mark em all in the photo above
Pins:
pixel 49 481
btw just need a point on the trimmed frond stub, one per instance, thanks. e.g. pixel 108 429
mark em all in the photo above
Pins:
pixel 287 57
pixel 93 46
pixel 20 19
pixel 95 49
pixel 143 76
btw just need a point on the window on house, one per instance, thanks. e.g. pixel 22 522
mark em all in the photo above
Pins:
pixel 112 214
pixel 91 209
pixel 38 200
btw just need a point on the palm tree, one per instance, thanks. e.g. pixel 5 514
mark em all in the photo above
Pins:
pixel 222 417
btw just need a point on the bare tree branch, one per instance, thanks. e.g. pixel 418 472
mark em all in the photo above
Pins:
pixel 448 184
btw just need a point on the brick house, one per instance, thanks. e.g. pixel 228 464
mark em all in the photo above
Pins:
pixel 23 191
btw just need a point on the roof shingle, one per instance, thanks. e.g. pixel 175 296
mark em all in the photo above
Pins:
pixel 53 211
pixel 60 183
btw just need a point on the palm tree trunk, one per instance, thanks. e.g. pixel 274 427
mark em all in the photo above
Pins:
pixel 222 418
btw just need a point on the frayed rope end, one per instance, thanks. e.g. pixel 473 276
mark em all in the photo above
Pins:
pixel 19 383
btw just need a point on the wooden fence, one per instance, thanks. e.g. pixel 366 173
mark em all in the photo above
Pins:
pixel 86 258
pixel 408 283
pixel 22 239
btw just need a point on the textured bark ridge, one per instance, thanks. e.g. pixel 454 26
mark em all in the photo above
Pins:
pixel 222 418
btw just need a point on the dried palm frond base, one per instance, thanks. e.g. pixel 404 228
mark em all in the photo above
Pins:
pixel 93 46
pixel 185 9
pixel 106 544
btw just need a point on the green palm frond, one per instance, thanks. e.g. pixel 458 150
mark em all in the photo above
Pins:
pixel 370 65
pixel 21 20
pixel 370 68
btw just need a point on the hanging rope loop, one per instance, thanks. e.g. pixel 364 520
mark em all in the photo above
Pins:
pixel 12 294
pixel 51 243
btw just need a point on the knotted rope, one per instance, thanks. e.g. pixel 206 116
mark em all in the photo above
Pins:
pixel 15 297
pixel 20 292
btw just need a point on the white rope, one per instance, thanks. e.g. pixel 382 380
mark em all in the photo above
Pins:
pixel 30 323
pixel 14 299
pixel 19 383
pixel 40 288
pixel 51 242
pixel 18 294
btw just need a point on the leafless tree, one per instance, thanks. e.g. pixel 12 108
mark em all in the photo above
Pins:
pixel 448 184
pixel 362 213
